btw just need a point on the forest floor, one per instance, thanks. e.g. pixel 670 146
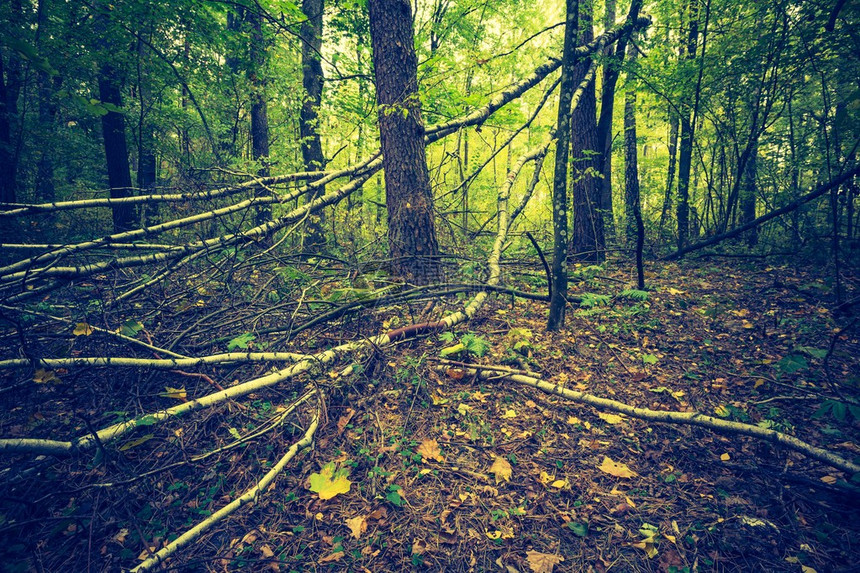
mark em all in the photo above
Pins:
pixel 435 469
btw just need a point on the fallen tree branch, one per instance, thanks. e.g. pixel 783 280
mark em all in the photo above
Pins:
pixel 674 417
pixel 250 497
pixel 847 175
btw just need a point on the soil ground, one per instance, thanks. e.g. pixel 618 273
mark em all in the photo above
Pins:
pixel 426 449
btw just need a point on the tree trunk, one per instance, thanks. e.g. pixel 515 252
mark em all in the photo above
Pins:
pixel 670 173
pixel 10 88
pixel 312 80
pixel 631 166
pixel 687 133
pixel 604 122
pixel 116 149
pixel 588 234
pixel 748 196
pixel 558 294
pixel 411 229
pixel 259 108
pixel 45 190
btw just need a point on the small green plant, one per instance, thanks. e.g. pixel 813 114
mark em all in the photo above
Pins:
pixel 469 343
pixel 591 300
pixel 634 294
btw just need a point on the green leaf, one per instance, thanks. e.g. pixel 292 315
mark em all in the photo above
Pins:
pixel 241 341
pixel 475 344
pixel 792 363
pixel 649 359
pixel 130 328
pixel 146 421
pixel 814 352
pixel 235 433
pixel 447 336
pixel 580 529
pixel 394 498
pixel 634 294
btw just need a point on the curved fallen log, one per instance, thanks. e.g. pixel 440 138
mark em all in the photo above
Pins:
pixel 673 417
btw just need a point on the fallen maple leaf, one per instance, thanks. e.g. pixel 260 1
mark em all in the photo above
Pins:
pixel 543 562
pixel 42 376
pixel 329 483
pixel 502 469
pixel 616 469
pixel 429 450
pixel 357 525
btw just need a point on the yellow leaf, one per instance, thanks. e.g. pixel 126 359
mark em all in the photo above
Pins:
pixel 463 409
pixel 134 443
pixel 615 469
pixel 722 411
pixel 494 534
pixel 543 562
pixel 725 457
pixel 648 547
pixel 175 393
pixel 545 478
pixel 501 469
pixel 674 291
pixel 829 480
pixel 330 482
pixel 429 450
pixel 740 313
pixel 610 418
pixel 807 569
pixel 357 525
pixel 511 413
pixel 42 376
pixel 747 324
pixel 573 420
pixel 758 384
pixel 559 483
pixel 82 329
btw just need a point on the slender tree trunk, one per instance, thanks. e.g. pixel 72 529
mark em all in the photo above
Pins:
pixel 146 169
pixel 312 80
pixel 259 107
pixel 116 149
pixel 411 229
pixel 670 173
pixel 631 166
pixel 748 196
pixel 558 298
pixel 588 233
pixel 687 133
pixel 604 121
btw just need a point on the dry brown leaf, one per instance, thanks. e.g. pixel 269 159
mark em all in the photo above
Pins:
pixel 429 450
pixel 502 469
pixel 543 562
pixel 336 556
pixel 616 469
pixel 357 525
pixel 344 420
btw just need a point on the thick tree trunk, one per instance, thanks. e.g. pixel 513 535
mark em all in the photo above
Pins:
pixel 312 80
pixel 411 229
pixel 588 233
pixel 116 149
pixel 10 87
pixel 558 300
pixel 259 107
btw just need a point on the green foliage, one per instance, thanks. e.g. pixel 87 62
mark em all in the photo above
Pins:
pixel 591 300
pixel 242 341
pixel 634 294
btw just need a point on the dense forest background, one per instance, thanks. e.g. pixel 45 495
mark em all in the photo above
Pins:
pixel 379 253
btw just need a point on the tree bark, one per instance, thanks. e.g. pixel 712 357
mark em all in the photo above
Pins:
pixel 748 196
pixel 116 149
pixel 688 128
pixel 588 233
pixel 558 300
pixel 46 86
pixel 411 229
pixel 635 228
pixel 312 80
pixel 10 88
pixel 259 108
